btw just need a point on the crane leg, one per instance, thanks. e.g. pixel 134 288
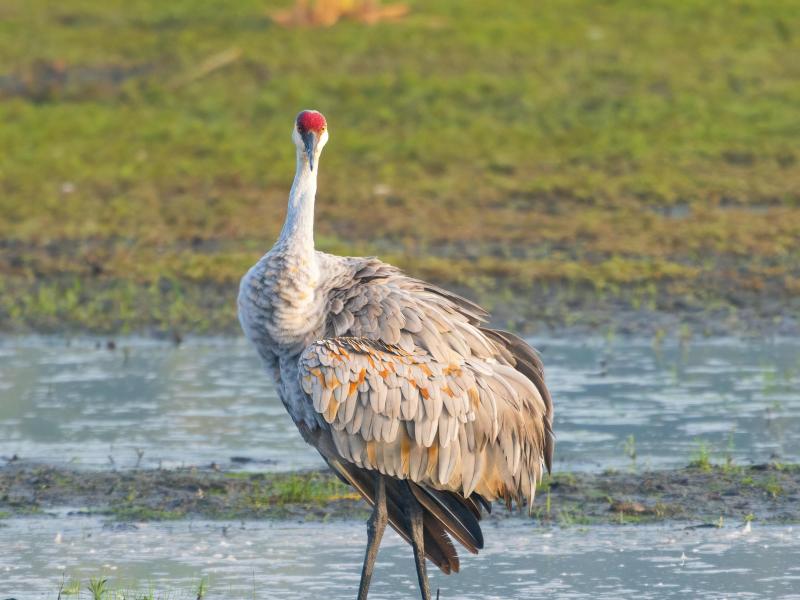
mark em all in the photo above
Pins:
pixel 415 520
pixel 375 528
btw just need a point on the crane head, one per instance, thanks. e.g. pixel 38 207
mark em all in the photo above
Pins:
pixel 310 135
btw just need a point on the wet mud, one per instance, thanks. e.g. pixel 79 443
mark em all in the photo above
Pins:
pixel 698 495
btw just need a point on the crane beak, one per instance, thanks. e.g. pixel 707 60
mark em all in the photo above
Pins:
pixel 310 143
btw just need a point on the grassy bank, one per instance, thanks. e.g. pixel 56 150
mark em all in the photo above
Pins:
pixel 699 493
pixel 547 158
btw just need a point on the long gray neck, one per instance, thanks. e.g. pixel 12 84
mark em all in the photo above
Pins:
pixel 298 229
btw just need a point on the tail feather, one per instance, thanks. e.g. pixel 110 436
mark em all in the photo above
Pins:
pixel 438 542
pixel 439 548
pixel 458 520
pixel 487 506
pixel 473 504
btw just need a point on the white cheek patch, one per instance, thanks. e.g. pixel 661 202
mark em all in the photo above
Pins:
pixel 323 139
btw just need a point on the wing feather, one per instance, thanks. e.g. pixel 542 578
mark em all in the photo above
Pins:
pixel 408 381
pixel 463 429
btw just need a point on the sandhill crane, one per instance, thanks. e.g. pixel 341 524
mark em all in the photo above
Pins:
pixel 398 383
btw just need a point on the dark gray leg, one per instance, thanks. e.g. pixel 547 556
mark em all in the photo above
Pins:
pixel 414 513
pixel 375 528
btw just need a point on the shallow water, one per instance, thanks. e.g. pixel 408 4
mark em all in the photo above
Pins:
pixel 209 400
pixel 296 560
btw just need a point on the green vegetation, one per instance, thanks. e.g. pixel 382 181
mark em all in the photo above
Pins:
pixel 70 588
pixel 689 494
pixel 202 588
pixel 251 494
pixel 97 588
pixel 103 587
pixel 554 155
pixel 772 486
pixel 629 447
pixel 701 458
pixel 300 488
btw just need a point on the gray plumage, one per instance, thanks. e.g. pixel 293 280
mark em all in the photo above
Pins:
pixel 388 374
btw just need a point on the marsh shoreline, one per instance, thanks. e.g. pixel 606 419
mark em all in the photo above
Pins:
pixel 700 494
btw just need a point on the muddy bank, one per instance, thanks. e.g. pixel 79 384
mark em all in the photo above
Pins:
pixel 698 495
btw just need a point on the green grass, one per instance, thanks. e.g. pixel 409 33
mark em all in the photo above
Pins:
pixel 98 588
pixel 628 149
pixel 701 458
pixel 102 587
pixel 202 588
pixel 306 487
pixel 563 498
pixel 629 448
pixel 266 496
pixel 772 486
pixel 299 488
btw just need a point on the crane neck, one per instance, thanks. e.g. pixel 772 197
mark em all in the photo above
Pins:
pixel 298 229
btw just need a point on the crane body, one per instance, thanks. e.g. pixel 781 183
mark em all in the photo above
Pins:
pixel 406 393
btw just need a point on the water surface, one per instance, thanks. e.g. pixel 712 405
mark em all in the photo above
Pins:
pixel 297 560
pixel 209 400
